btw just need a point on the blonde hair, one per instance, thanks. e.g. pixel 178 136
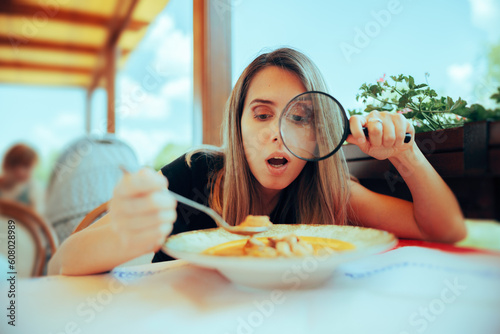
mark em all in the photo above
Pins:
pixel 319 195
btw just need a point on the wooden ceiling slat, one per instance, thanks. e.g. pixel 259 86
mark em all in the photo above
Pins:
pixel 55 46
pixel 48 45
pixel 71 38
pixel 72 17
pixel 44 67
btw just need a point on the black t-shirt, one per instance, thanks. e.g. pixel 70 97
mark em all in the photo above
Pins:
pixel 193 183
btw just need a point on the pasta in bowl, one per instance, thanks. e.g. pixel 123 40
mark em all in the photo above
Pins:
pixel 279 272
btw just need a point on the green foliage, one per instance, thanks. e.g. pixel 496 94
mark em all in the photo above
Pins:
pixel 494 62
pixel 45 165
pixel 169 153
pixel 421 104
pixel 496 96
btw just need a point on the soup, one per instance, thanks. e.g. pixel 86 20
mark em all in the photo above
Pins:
pixel 287 246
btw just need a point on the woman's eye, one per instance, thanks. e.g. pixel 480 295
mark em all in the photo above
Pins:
pixel 262 113
pixel 299 119
pixel 262 117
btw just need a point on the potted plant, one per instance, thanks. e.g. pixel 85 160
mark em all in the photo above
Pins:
pixel 461 141
pixel 422 105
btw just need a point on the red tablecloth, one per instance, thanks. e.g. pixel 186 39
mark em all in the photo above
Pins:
pixel 443 247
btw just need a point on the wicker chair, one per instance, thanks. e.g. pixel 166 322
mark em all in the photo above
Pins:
pixel 83 178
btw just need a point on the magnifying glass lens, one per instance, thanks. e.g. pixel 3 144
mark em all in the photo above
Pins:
pixel 313 126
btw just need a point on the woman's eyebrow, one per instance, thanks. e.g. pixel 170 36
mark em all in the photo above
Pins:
pixel 262 101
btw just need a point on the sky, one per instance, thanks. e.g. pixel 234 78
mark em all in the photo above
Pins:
pixel 351 42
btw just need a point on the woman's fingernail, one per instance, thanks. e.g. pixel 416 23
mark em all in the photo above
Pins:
pixel 361 140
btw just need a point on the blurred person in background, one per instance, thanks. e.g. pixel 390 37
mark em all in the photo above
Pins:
pixel 16 181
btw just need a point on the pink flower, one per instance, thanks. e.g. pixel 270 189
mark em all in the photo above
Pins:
pixel 381 79
pixel 458 117
pixel 404 111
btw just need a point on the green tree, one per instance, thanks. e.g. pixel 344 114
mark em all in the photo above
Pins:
pixel 169 153
pixel 494 63
pixel 45 166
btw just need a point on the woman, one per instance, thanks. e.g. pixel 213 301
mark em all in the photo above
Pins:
pixel 16 182
pixel 254 174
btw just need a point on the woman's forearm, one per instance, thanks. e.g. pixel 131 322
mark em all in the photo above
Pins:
pixel 90 251
pixel 141 215
pixel 436 210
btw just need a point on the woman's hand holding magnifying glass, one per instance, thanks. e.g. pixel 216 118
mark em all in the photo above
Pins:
pixel 386 134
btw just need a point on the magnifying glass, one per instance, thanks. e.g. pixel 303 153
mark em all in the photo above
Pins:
pixel 314 125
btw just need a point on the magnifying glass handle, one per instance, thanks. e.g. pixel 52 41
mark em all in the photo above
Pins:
pixel 407 136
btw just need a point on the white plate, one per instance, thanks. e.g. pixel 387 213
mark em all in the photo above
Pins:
pixel 278 273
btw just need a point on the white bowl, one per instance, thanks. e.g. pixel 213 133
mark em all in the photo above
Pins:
pixel 278 273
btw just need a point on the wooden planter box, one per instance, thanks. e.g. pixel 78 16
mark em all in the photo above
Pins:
pixel 468 159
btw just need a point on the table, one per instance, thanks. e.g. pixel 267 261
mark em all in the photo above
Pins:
pixel 410 289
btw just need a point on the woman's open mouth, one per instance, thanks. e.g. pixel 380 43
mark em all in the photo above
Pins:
pixel 277 162
pixel 277 165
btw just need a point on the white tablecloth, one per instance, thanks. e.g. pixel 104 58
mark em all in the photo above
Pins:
pixel 407 290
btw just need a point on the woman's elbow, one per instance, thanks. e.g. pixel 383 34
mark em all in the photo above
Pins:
pixel 58 259
pixel 53 267
pixel 456 232
pixel 459 230
pixel 462 233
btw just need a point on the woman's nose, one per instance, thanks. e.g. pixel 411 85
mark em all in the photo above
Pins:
pixel 276 137
pixel 269 133
pixel 275 131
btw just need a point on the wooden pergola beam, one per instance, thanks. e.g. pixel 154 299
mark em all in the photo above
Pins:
pixel 107 57
pixel 88 112
pixel 110 73
pixel 19 65
pixel 57 14
pixel 115 28
pixel 50 46
pixel 211 66
pixel 54 46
